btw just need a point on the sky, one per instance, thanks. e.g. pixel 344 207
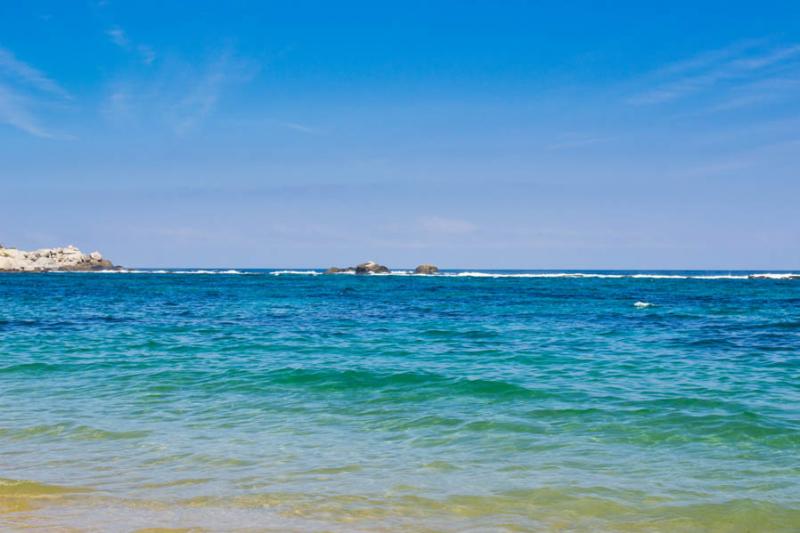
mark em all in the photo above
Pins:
pixel 469 134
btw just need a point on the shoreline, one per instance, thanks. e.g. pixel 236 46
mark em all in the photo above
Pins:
pixel 29 504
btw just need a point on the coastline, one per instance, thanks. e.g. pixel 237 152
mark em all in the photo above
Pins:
pixel 32 505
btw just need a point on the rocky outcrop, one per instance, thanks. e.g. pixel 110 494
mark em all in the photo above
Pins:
pixel 68 259
pixel 370 267
pixel 426 269
pixel 337 270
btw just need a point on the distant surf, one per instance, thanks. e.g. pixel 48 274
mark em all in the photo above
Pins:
pixel 654 275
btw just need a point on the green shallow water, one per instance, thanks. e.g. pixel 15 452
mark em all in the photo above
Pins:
pixel 303 402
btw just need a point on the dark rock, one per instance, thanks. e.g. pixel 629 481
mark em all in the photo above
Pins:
pixel 90 266
pixel 426 269
pixel 371 267
pixel 337 270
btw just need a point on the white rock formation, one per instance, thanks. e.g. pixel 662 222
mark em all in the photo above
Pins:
pixel 51 259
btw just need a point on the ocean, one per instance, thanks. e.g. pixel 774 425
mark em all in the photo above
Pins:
pixel 471 401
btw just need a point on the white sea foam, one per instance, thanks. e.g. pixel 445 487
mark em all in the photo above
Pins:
pixel 203 271
pixel 471 275
pixel 721 276
pixel 529 275
pixel 642 305
pixel 659 276
pixel 770 275
pixel 479 274
pixel 583 275
pixel 545 275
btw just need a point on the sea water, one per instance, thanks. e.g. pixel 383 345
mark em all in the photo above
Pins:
pixel 471 401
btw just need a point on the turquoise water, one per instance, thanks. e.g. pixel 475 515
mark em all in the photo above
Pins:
pixel 398 403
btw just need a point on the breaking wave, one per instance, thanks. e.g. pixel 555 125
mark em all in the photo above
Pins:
pixel 476 274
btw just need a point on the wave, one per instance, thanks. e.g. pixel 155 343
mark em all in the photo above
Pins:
pixel 720 276
pixel 590 275
pixel 593 275
pixel 472 274
pixel 530 275
pixel 15 488
pixel 769 275
pixel 206 272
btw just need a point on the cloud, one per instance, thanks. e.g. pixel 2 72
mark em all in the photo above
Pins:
pixel 181 95
pixel 23 90
pixel 708 58
pixel 761 92
pixel 14 69
pixel 147 54
pixel 205 91
pixel 14 110
pixel 720 71
pixel 118 37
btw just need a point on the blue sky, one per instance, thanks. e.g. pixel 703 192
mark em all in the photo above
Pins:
pixel 469 134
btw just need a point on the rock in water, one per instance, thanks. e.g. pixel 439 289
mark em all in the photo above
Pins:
pixel 371 267
pixel 68 259
pixel 426 269
pixel 337 270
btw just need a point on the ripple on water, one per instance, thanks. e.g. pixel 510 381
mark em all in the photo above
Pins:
pixel 396 403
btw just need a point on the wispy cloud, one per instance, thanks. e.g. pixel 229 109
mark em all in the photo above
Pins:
pixel 147 53
pixel 708 58
pixel 761 92
pixel 743 64
pixel 181 95
pixel 14 110
pixel 205 91
pixel 14 69
pixel 118 36
pixel 24 90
